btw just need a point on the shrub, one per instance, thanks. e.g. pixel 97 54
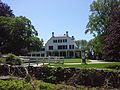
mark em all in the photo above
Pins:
pixel 22 85
pixel 13 60
pixel 28 78
pixel 18 61
pixel 2 60
pixel 117 67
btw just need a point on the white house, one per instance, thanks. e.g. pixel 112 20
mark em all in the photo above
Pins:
pixel 59 46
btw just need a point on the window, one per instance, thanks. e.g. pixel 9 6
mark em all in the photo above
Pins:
pixel 60 41
pixel 59 47
pixel 54 41
pixel 64 40
pixel 50 47
pixel 42 49
pixel 71 46
pixel 62 47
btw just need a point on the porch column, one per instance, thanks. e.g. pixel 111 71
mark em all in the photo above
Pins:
pixel 59 53
pixel 69 54
pixel 31 54
pixel 74 54
pixel 51 53
pixel 66 53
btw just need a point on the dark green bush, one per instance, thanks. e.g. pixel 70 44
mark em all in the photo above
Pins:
pixel 17 61
pixel 13 60
pixel 2 60
pixel 38 85
pixel 117 67
pixel 28 78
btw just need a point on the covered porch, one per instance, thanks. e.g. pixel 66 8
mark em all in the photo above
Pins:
pixel 63 53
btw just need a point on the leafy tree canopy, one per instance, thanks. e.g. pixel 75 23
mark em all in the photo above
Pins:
pixel 101 12
pixel 18 33
pixel 111 44
pixel 81 44
pixel 5 10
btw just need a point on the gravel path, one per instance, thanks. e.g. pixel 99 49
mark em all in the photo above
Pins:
pixel 97 61
pixel 91 62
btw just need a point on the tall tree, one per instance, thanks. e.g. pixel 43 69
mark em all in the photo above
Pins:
pixel 5 10
pixel 17 34
pixel 78 43
pixel 81 44
pixel 112 38
pixel 101 13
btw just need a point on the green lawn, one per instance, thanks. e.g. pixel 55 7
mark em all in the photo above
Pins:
pixel 74 60
pixel 94 66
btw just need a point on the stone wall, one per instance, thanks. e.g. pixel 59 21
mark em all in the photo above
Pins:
pixel 71 76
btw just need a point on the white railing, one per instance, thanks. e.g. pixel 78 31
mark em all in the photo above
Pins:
pixel 49 60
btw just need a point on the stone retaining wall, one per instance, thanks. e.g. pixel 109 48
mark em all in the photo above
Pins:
pixel 71 76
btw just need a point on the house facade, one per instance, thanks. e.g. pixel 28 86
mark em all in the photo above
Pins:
pixel 62 46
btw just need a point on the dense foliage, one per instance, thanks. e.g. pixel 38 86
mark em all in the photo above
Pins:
pixel 81 44
pixel 2 59
pixel 17 35
pixel 112 37
pixel 34 85
pixel 13 60
pixel 101 14
pixel 95 47
pixel 5 10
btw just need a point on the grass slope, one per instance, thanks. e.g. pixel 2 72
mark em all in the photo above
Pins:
pixel 95 66
pixel 74 60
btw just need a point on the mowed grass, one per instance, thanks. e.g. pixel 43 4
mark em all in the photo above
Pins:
pixel 91 66
pixel 74 60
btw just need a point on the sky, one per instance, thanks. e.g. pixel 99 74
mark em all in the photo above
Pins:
pixel 56 16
